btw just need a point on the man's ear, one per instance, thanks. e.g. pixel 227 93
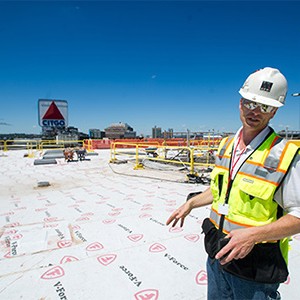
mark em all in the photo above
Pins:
pixel 274 112
pixel 241 103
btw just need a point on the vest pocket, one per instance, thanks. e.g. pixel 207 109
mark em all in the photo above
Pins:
pixel 256 201
pixel 264 264
pixel 217 178
pixel 256 188
pixel 212 235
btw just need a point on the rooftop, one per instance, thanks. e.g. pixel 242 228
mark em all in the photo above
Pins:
pixel 93 230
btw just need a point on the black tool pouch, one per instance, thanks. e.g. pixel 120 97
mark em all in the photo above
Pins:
pixel 264 264
pixel 212 235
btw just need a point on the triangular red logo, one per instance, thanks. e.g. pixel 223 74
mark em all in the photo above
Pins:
pixel 201 278
pixel 192 237
pixel 150 294
pixel 94 247
pixel 64 244
pixel 156 247
pixel 67 259
pixel 53 113
pixel 106 259
pixel 175 229
pixel 53 273
pixel 135 237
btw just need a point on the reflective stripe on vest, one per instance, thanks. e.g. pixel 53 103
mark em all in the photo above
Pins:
pixel 255 182
pixel 267 170
pixel 228 225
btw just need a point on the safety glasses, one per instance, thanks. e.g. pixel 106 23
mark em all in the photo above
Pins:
pixel 253 105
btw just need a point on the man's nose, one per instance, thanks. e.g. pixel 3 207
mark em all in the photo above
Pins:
pixel 257 110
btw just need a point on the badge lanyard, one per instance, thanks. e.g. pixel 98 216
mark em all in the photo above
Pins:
pixel 235 159
pixel 233 162
pixel 224 208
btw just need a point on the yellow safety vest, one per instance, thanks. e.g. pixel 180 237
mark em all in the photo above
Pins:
pixel 250 197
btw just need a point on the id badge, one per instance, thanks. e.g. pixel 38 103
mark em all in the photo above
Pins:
pixel 223 209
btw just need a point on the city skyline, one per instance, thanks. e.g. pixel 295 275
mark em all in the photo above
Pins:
pixel 176 64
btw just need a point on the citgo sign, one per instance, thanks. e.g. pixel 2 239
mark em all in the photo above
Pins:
pixel 53 113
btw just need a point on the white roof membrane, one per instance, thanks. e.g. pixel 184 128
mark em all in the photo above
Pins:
pixel 93 233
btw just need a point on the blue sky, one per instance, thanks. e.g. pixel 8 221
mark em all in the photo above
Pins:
pixel 173 64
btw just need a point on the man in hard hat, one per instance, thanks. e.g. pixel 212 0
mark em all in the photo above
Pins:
pixel 255 199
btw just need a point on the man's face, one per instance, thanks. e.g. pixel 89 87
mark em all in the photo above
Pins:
pixel 255 119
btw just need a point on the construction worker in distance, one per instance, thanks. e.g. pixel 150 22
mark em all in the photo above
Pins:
pixel 255 197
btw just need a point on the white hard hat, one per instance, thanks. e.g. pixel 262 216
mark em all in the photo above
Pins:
pixel 267 86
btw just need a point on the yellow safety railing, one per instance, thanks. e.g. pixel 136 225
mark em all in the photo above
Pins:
pixel 89 145
pixel 116 147
pixel 39 145
pixel 3 145
pixel 59 144
pixel 193 156
pixel 18 144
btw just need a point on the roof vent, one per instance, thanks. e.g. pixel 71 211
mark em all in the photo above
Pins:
pixel 43 183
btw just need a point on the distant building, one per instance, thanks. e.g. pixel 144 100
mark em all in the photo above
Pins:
pixel 168 134
pixel 156 132
pixel 119 131
pixel 49 132
pixel 69 134
pixel 96 134
pixel 12 136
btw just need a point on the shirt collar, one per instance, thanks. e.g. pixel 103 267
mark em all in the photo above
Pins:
pixel 257 140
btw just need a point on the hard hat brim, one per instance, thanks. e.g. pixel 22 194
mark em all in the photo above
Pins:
pixel 260 99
